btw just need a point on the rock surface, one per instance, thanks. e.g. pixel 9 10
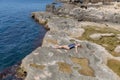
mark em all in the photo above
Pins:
pixel 53 71
pixel 117 49
pixel 118 36
pixel 90 63
pixel 97 36
pixel 87 1
pixel 93 13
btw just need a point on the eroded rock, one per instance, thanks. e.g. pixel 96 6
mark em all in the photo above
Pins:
pixel 98 36
pixel 117 49
pixel 66 63
pixel 90 63
pixel 118 36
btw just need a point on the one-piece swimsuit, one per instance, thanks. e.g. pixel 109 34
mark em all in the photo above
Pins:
pixel 71 45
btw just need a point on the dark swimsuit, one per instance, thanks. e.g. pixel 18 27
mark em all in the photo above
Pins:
pixel 71 45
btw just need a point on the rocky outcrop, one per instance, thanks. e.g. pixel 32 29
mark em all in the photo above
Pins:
pixel 117 49
pixel 97 36
pixel 52 64
pixel 87 1
pixel 93 12
pixel 118 36
pixel 92 62
pixel 47 63
pixel 96 14
pixel 50 8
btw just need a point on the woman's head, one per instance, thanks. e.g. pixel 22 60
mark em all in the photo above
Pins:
pixel 78 45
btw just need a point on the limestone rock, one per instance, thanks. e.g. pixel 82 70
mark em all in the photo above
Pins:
pixel 63 24
pixel 107 35
pixel 42 16
pixel 65 9
pixel 117 49
pixel 118 36
pixel 78 13
pixel 96 36
pixel 58 64
pixel 53 38
pixel 50 8
pixel 96 14
pixel 77 32
pixel 87 1
pixel 48 63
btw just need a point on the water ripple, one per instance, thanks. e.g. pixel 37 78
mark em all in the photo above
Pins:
pixel 19 34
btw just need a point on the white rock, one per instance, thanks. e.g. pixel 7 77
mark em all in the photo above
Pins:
pixel 107 34
pixel 96 36
pixel 118 36
pixel 117 49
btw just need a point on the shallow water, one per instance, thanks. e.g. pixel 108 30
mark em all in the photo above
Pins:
pixel 19 33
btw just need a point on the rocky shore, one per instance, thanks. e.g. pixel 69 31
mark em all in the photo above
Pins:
pixel 96 28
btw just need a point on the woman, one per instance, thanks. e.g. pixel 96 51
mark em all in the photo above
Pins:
pixel 70 46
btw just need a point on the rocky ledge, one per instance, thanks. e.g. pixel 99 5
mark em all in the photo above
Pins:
pixel 97 59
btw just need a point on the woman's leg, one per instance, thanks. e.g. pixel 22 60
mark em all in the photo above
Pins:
pixel 65 47
pixel 62 47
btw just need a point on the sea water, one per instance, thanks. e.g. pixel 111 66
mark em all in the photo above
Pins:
pixel 19 33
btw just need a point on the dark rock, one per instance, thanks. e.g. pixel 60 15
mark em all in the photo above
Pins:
pixel 50 8
pixel 87 1
pixel 11 73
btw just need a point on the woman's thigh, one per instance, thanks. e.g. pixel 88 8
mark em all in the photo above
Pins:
pixel 65 47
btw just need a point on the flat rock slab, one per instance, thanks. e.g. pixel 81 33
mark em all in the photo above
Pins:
pixel 98 36
pixel 47 63
pixel 117 49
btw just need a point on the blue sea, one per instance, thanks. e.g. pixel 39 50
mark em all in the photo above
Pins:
pixel 19 33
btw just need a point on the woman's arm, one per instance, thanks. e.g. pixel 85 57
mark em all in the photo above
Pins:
pixel 76 50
